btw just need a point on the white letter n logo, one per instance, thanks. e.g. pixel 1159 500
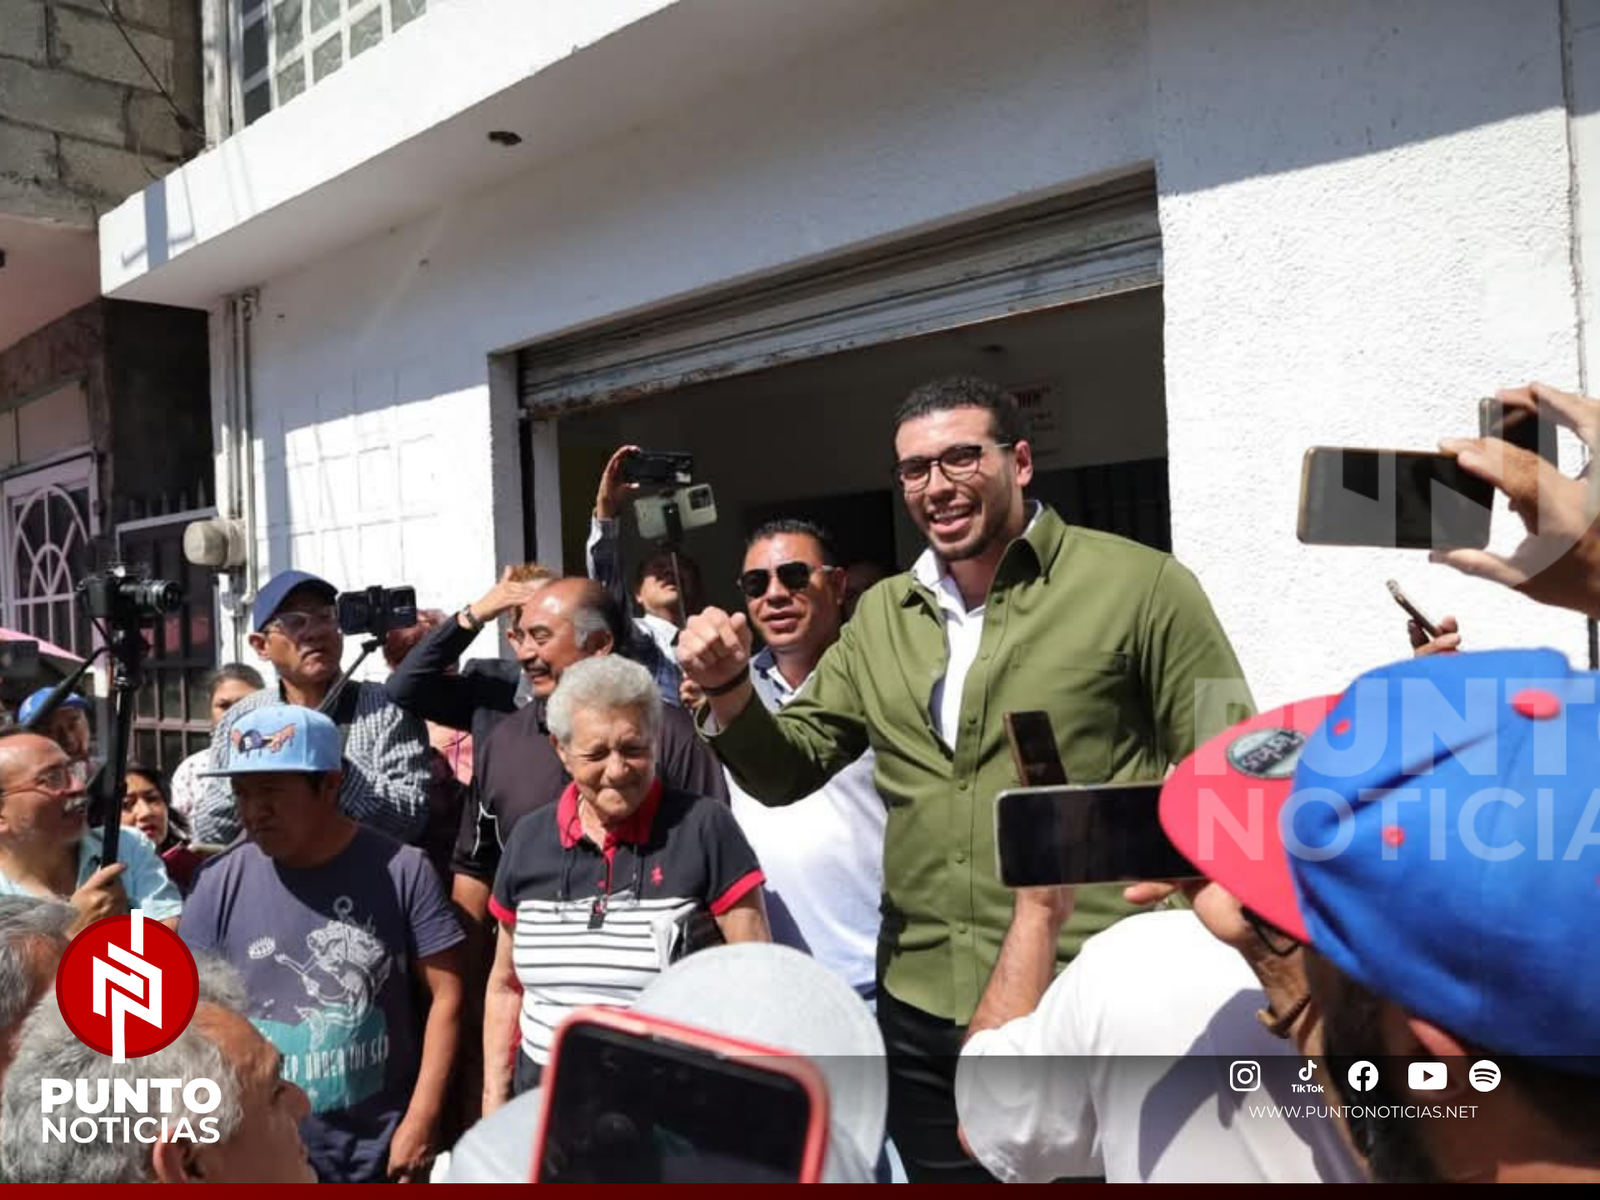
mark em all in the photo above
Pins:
pixel 144 981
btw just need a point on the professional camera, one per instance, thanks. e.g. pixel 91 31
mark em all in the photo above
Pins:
pixel 117 596
pixel 377 611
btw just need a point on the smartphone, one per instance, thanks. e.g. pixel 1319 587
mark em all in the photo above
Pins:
pixel 1391 498
pixel 377 611
pixel 1033 749
pixel 1108 833
pixel 1518 427
pixel 630 1098
pixel 1412 611
pixel 659 467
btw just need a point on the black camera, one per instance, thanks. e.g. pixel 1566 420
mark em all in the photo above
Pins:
pixel 121 598
pixel 659 467
pixel 377 611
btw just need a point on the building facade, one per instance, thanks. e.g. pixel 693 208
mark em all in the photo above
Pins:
pixel 447 275
pixel 105 446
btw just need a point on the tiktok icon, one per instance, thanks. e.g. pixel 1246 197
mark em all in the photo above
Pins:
pixel 1305 1073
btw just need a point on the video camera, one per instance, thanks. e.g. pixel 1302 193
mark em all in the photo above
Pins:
pixel 123 598
pixel 377 611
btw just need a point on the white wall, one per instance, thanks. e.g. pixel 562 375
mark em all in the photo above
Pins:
pixel 372 382
pixel 1365 224
pixel 1365 227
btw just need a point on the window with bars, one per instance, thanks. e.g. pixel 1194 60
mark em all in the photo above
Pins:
pixel 286 46
pixel 172 719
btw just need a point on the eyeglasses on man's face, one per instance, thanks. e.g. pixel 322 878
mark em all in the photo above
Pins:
pixel 956 462
pixel 296 625
pixel 794 576
pixel 57 780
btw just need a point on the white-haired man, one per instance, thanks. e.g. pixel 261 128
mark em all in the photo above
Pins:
pixel 257 1117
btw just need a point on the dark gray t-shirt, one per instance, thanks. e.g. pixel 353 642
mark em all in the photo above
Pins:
pixel 327 956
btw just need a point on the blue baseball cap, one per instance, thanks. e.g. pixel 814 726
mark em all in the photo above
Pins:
pixel 30 707
pixel 1433 831
pixel 281 737
pixel 270 598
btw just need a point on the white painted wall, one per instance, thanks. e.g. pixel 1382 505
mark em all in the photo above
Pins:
pixel 1364 211
pixel 372 385
pixel 1365 227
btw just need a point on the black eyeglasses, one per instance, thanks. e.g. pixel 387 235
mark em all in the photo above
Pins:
pixel 1278 943
pixel 792 575
pixel 958 462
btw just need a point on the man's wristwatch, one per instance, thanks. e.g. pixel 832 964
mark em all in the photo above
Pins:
pixel 469 617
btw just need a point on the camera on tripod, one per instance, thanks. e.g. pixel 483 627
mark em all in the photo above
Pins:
pixel 120 597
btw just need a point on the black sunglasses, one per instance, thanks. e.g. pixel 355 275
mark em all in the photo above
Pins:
pixel 793 575
pixel 1278 943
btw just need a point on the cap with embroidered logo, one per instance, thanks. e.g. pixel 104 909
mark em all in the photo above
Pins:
pixel 280 737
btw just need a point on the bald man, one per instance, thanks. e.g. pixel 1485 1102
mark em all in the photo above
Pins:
pixel 48 849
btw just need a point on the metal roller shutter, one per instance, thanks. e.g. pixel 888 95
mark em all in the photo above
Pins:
pixel 1068 249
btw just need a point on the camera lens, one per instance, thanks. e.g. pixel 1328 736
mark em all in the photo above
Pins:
pixel 160 596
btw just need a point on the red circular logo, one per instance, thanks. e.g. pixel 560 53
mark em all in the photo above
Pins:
pixel 127 986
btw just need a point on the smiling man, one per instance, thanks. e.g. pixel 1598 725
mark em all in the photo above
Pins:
pixel 1008 609
pixel 385 780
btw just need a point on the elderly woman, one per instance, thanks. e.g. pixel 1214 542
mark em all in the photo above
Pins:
pixel 601 890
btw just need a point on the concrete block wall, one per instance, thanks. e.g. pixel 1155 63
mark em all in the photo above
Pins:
pixel 83 123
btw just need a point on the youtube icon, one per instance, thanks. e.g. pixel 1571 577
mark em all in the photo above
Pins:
pixel 1428 1077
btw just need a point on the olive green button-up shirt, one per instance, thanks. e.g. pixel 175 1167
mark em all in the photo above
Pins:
pixel 1116 641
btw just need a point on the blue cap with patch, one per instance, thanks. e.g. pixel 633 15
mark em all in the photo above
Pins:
pixel 1438 842
pixel 31 706
pixel 280 737
pixel 276 590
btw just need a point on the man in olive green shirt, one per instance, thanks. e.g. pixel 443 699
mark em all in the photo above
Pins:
pixel 1009 609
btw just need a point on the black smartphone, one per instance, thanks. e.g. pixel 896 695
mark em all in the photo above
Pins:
pixel 1412 611
pixel 1518 427
pixel 1033 749
pixel 633 1099
pixel 664 467
pixel 1108 833
pixel 377 611
pixel 1391 498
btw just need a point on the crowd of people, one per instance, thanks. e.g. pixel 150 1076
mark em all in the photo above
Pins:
pixel 398 891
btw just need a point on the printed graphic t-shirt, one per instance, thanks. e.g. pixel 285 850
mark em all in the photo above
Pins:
pixel 327 956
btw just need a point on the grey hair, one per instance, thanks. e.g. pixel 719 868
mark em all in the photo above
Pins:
pixel 50 1050
pixel 605 681
pixel 25 921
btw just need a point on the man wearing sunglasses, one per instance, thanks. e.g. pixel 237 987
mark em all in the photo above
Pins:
pixel 823 859
pixel 1008 609
pixel 386 774
pixel 47 847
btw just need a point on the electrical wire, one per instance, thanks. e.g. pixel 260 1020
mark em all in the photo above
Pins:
pixel 184 123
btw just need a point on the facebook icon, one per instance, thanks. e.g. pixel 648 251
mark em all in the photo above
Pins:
pixel 1363 1077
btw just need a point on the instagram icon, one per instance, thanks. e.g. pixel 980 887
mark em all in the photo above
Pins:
pixel 1244 1075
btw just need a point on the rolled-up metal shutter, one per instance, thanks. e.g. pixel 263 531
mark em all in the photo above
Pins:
pixel 1062 251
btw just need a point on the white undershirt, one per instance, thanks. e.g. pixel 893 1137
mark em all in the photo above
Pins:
pixel 964 631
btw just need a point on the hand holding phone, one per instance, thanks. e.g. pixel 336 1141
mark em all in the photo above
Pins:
pixel 1517 426
pixel 1397 499
pixel 1412 611
pixel 1111 833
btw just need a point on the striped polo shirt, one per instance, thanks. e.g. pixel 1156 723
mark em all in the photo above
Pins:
pixel 595 924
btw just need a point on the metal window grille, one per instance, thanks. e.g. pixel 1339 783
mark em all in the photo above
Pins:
pixel 173 716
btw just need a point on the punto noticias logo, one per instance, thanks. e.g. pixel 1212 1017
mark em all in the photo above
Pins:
pixel 127 987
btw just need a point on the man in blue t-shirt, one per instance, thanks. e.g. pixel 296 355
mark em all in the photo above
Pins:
pixel 333 926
